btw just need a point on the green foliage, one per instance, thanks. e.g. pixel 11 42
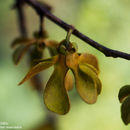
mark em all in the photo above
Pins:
pixel 125 111
pixel 124 93
pixel 124 98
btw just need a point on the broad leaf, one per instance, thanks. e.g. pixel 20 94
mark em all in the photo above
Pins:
pixel 19 53
pixel 85 84
pixel 84 67
pixel 125 111
pixel 55 94
pixel 89 59
pixel 124 93
pixel 44 64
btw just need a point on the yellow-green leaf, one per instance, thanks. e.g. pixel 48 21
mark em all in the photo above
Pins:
pixel 44 64
pixel 84 68
pixel 124 93
pixel 55 94
pixel 86 85
pixel 89 59
pixel 125 111
pixel 19 53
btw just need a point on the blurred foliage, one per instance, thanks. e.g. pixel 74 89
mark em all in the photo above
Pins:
pixel 104 21
pixel 124 98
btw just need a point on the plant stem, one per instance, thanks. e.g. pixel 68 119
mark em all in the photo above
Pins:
pixel 68 36
pixel 21 17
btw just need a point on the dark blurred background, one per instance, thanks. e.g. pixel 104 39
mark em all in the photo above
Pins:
pixel 107 22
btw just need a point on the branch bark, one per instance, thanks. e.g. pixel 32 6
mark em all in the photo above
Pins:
pixel 106 51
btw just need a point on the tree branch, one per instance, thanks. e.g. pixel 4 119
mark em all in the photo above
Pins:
pixel 106 51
